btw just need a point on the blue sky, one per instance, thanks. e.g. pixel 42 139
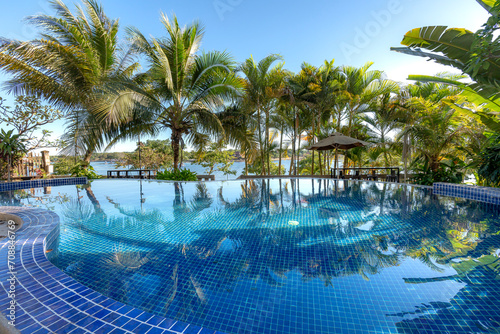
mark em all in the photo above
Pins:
pixel 351 32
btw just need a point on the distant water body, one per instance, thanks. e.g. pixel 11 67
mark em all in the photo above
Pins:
pixel 101 168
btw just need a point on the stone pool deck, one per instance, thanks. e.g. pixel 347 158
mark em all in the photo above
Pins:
pixel 49 301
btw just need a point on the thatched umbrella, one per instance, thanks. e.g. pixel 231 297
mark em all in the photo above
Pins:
pixel 337 141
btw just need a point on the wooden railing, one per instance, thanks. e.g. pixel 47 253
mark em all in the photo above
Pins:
pixel 206 177
pixel 132 174
pixel 32 166
pixel 368 173
pixel 145 174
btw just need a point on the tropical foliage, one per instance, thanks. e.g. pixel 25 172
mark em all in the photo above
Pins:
pixel 177 175
pixel 436 129
pixel 67 66
pixel 489 163
pixel 28 117
pixel 11 149
pixel 153 154
pixel 213 157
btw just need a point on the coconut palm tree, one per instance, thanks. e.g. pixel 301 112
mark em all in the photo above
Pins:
pixel 74 57
pixel 11 148
pixel 263 84
pixel 360 87
pixel 317 89
pixel 182 88
pixel 381 121
pixel 437 127
pixel 239 127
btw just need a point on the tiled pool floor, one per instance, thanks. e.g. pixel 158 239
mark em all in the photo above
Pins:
pixel 49 301
pixel 277 256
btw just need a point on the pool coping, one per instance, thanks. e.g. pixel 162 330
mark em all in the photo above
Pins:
pixel 50 301
pixel 38 183
pixel 470 192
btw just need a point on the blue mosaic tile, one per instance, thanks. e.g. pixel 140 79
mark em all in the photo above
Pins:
pixel 56 326
pixel 42 183
pixel 483 194
pixel 131 325
pixel 144 328
pixel 155 330
pixel 179 326
pixel 106 329
pixel 94 326
pixel 117 331
pixel 330 257
pixel 121 321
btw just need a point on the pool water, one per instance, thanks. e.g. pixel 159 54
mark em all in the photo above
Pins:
pixel 283 256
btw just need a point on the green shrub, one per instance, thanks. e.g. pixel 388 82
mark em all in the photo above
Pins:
pixel 450 170
pixel 63 166
pixel 489 163
pixel 177 175
pixel 67 166
pixel 84 170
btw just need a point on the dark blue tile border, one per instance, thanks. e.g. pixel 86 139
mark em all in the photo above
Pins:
pixel 42 183
pixel 480 194
pixel 49 301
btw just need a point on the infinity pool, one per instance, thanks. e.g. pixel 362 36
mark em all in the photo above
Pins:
pixel 282 256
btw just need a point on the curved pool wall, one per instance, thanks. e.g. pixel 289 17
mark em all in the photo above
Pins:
pixel 50 300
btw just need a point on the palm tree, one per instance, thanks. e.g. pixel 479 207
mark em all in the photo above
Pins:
pixel 437 127
pixel 263 85
pixel 280 121
pixel 381 121
pixel 11 147
pixel 317 89
pixel 74 57
pixel 239 128
pixel 360 87
pixel 182 88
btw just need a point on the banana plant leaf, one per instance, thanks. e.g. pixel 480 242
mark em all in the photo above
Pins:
pixel 487 98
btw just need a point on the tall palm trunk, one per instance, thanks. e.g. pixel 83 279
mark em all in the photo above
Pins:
pixel 292 160
pixel 87 156
pixel 268 153
pixel 263 171
pixel 246 162
pixel 281 149
pixel 327 163
pixel 405 155
pixel 297 146
pixel 298 155
pixel 351 119
pixel 312 138
pixel 76 137
pixel 385 149
pixel 176 139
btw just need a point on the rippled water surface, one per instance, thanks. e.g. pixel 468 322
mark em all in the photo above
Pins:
pixel 283 256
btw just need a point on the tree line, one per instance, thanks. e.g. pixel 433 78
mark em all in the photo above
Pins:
pixel 438 128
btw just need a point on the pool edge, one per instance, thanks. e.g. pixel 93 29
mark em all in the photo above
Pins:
pixel 48 300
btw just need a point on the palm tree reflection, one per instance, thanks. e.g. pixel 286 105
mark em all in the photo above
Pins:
pixel 212 245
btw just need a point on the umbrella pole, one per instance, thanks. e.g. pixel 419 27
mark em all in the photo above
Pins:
pixel 336 158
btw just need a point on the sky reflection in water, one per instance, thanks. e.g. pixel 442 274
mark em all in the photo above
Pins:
pixel 283 256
